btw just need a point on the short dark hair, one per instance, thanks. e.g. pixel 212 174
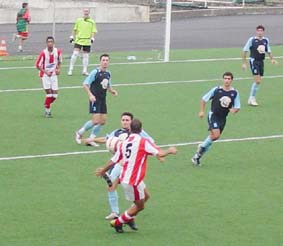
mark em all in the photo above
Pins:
pixel 104 55
pixel 49 37
pixel 136 126
pixel 127 114
pixel 260 27
pixel 24 5
pixel 228 74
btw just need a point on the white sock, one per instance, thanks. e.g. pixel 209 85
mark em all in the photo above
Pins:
pixel 85 61
pixel 73 59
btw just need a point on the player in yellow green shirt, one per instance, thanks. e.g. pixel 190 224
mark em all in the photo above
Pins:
pixel 82 36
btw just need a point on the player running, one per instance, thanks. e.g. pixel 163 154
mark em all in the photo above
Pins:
pixel 48 63
pixel 96 85
pixel 224 99
pixel 258 46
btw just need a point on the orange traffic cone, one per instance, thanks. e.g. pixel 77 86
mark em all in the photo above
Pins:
pixel 3 48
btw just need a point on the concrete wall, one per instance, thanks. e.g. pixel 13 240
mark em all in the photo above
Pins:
pixel 42 11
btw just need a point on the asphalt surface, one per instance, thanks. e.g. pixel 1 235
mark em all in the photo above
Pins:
pixel 194 33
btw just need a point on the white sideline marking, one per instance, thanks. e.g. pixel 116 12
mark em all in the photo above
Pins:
pixel 165 145
pixel 147 62
pixel 141 83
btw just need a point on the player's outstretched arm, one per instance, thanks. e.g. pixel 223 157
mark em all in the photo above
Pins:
pixel 162 153
pixel 102 170
pixel 202 109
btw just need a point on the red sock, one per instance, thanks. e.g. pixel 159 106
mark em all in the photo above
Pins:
pixel 47 102
pixel 53 99
pixel 123 219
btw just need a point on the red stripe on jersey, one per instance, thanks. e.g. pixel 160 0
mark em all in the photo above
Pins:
pixel 139 167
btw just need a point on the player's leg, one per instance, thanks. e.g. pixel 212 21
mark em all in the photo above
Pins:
pixel 74 57
pixel 86 51
pixel 139 195
pixel 112 192
pixel 46 83
pixel 54 87
pixel 98 120
pixel 87 125
pixel 216 126
pixel 257 71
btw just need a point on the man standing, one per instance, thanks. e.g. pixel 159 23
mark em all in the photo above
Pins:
pixel 224 99
pixel 48 63
pixel 23 19
pixel 96 85
pixel 257 46
pixel 133 153
pixel 83 36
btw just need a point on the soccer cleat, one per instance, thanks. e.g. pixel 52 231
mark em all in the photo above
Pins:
pixel 106 177
pixel 118 228
pixel 112 216
pixel 93 144
pixel 78 138
pixel 252 101
pixel 85 73
pixel 70 72
pixel 196 160
pixel 47 115
pixel 132 225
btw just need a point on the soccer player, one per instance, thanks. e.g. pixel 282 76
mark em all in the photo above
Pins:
pixel 113 174
pixel 258 46
pixel 96 84
pixel 133 153
pixel 83 36
pixel 224 99
pixel 48 63
pixel 23 19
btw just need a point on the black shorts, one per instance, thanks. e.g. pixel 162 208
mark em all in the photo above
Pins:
pixel 98 107
pixel 85 48
pixel 216 122
pixel 257 67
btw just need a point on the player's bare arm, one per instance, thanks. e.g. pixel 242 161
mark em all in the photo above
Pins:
pixel 244 60
pixel 163 153
pixel 234 110
pixel 272 60
pixel 112 91
pixel 102 170
pixel 202 109
pixel 90 95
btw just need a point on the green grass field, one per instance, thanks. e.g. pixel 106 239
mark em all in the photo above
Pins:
pixel 235 198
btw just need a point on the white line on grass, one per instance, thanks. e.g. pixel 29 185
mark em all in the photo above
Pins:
pixel 165 145
pixel 141 83
pixel 147 62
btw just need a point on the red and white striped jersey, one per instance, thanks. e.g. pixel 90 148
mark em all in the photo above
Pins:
pixel 134 152
pixel 49 60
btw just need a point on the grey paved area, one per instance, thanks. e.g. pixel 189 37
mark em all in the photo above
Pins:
pixel 195 33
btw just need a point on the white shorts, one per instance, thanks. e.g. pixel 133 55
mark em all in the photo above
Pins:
pixel 50 82
pixel 134 193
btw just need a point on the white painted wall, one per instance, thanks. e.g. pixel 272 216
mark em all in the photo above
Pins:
pixel 67 11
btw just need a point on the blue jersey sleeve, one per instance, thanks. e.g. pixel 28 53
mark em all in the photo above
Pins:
pixel 268 46
pixel 145 135
pixel 111 134
pixel 109 82
pixel 209 95
pixel 90 78
pixel 248 45
pixel 237 103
